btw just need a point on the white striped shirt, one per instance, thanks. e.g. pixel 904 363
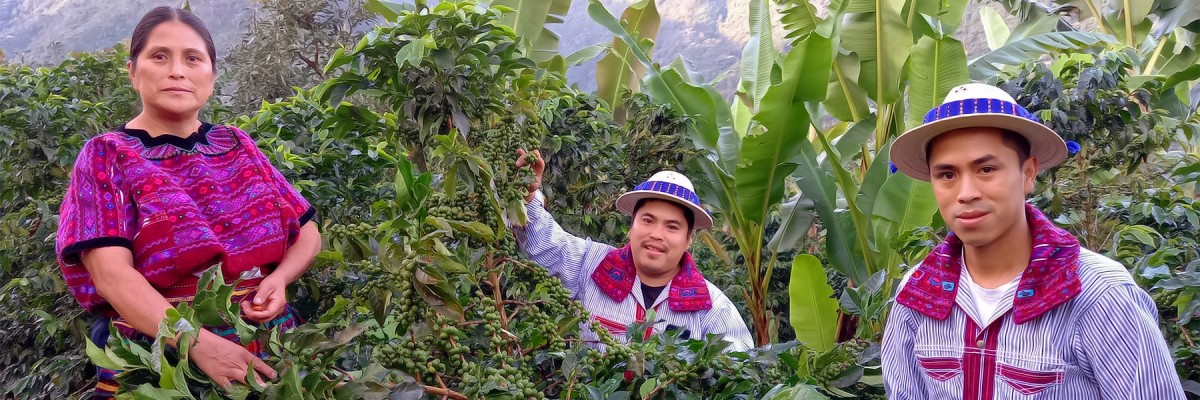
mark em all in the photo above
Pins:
pixel 573 259
pixel 1104 343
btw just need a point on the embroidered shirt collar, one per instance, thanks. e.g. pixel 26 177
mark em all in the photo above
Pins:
pixel 688 292
pixel 208 140
pixel 1051 278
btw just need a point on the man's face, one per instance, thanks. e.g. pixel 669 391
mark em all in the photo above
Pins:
pixel 979 183
pixel 658 237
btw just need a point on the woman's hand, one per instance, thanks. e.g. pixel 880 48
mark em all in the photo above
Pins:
pixel 226 362
pixel 268 300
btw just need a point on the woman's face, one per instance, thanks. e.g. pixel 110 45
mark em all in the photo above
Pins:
pixel 173 74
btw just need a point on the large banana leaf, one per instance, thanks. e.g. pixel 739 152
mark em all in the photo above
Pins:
pixel 1123 20
pixel 994 27
pixel 949 14
pixel 816 184
pixel 1032 47
pixel 904 203
pixel 758 57
pixel 798 17
pixel 621 69
pixel 845 99
pixel 795 218
pixel 529 20
pixel 877 175
pixel 936 66
pixel 812 309
pixel 1173 14
pixel 712 127
pixel 769 156
pixel 856 136
pixel 883 42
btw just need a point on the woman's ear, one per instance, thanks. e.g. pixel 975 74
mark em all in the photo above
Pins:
pixel 129 72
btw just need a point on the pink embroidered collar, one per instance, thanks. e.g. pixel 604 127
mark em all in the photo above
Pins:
pixel 1051 278
pixel 688 292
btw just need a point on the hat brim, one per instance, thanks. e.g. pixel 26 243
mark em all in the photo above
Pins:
pixel 629 200
pixel 908 151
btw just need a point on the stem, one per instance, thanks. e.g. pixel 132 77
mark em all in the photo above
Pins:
pixel 570 386
pixel 1162 42
pixel 658 387
pixel 494 280
pixel 1099 18
pixel 437 391
pixel 1183 332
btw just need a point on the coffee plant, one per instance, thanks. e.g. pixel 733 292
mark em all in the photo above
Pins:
pixel 408 150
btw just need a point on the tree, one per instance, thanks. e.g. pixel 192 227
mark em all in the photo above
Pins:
pixel 285 45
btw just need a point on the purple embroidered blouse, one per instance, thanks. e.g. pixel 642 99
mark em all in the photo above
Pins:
pixel 180 205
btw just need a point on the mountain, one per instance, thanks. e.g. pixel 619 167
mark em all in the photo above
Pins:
pixel 708 34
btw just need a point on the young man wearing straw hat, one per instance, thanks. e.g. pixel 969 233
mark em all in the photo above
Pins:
pixel 1009 306
pixel 653 271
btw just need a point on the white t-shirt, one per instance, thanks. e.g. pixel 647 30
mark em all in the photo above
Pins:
pixel 988 301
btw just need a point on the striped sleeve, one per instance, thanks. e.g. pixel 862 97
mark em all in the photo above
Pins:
pixel 563 254
pixel 902 378
pixel 1120 341
pixel 725 319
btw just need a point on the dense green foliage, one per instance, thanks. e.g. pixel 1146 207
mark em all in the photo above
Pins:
pixel 407 147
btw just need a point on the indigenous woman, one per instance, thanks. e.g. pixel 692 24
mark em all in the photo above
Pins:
pixel 165 196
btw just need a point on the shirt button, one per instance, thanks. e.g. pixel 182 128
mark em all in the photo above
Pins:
pixel 979 344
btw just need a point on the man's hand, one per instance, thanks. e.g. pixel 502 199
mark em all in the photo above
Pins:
pixel 268 300
pixel 535 161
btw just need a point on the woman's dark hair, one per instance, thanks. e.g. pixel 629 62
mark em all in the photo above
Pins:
pixel 163 14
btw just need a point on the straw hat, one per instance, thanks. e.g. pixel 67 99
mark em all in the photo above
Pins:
pixel 670 186
pixel 976 105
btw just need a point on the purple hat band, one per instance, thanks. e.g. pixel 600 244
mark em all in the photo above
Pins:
pixel 978 106
pixel 671 189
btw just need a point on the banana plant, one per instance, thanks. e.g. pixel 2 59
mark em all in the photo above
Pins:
pixel 1162 33
pixel 529 19
pixel 894 60
pixel 621 68
pixel 773 134
pixel 744 175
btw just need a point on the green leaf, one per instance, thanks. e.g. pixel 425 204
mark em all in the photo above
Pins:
pixel 883 42
pixel 796 217
pixel 647 387
pixel 475 228
pixel 948 14
pixel 815 183
pixel 414 51
pixel 798 392
pixel 529 20
pixel 845 99
pixel 994 27
pixel 386 9
pixel 627 61
pixel 586 54
pixel 711 123
pixel 758 57
pixel 149 392
pixel 99 357
pixel 1030 48
pixel 936 66
pixel 770 156
pixel 813 311
pixel 798 17
pixel 904 203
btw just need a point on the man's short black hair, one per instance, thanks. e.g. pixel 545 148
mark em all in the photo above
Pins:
pixel 687 213
pixel 1011 139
